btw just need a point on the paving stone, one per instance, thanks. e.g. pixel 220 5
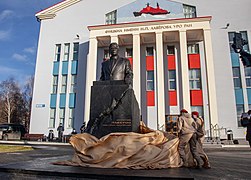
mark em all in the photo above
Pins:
pixel 227 163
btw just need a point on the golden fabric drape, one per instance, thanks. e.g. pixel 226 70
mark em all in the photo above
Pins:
pixel 152 150
pixel 146 150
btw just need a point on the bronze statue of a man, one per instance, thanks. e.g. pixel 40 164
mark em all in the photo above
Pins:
pixel 116 68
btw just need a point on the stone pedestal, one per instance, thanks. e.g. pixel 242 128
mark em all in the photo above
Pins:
pixel 125 117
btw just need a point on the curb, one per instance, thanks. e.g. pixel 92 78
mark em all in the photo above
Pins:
pixel 235 146
pixel 34 143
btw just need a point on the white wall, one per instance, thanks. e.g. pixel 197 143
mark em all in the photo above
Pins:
pixel 63 29
pixel 75 19
pixel 237 13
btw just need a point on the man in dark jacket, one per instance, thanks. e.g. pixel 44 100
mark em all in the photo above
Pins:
pixel 248 136
pixel 248 125
pixel 116 68
pixel 60 130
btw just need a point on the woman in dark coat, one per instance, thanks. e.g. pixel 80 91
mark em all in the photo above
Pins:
pixel 248 136
pixel 246 122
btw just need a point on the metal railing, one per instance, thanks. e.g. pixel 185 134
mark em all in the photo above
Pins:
pixel 214 133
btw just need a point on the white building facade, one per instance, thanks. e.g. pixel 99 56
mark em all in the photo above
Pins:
pixel 180 59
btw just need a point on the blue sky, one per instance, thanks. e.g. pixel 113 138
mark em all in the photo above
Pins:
pixel 19 32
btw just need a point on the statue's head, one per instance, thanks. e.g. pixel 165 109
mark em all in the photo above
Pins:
pixel 114 49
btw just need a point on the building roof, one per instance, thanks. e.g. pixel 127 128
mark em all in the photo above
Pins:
pixel 50 12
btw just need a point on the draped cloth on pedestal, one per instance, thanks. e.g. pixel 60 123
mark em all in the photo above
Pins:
pixel 151 150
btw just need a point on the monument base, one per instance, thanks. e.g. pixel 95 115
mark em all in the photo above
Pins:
pixel 114 108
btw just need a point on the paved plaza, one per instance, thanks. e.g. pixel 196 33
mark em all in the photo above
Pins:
pixel 227 163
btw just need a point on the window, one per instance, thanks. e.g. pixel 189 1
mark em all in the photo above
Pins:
pixel 55 85
pixel 64 84
pixel 231 36
pixel 193 49
pixel 231 40
pixel 58 51
pixel 245 37
pixel 237 77
pixel 189 11
pixel 172 80
pixel 240 110
pixel 170 50
pixel 75 51
pixel 66 51
pixel 150 80
pixel 73 83
pixel 62 116
pixel 199 109
pixel 248 76
pixel 149 51
pixel 52 118
pixel 111 18
pixel 129 52
pixel 195 79
pixel 71 118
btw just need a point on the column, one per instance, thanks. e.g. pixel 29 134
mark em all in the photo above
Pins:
pixel 114 39
pixel 185 98
pixel 90 75
pixel 160 81
pixel 136 68
pixel 213 110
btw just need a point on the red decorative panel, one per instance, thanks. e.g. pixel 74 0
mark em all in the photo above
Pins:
pixel 151 10
pixel 149 63
pixel 150 98
pixel 172 98
pixel 171 62
pixel 131 61
pixel 196 98
pixel 194 61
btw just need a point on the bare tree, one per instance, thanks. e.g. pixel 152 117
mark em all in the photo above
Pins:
pixel 15 104
pixel 2 120
pixel 8 91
